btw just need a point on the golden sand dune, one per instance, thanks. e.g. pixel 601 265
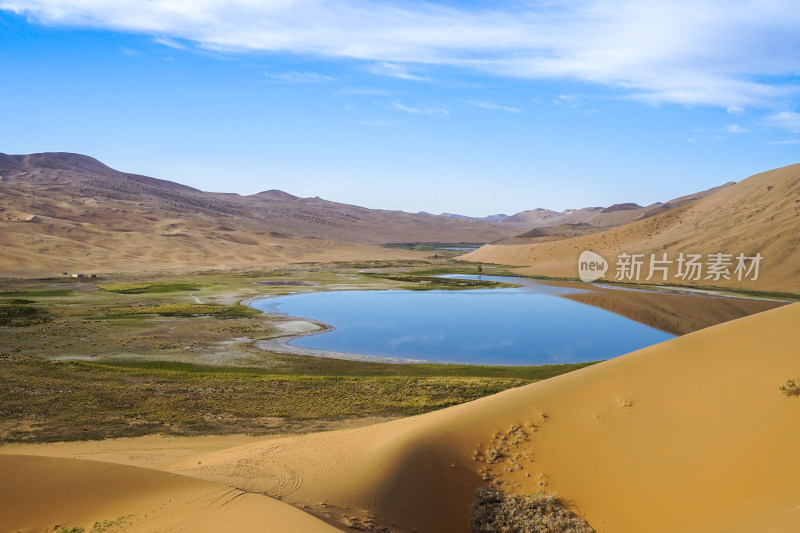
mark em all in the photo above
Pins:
pixel 691 435
pixel 758 215
pixel 39 493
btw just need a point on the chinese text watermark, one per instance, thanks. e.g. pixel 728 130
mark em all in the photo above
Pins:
pixel 662 267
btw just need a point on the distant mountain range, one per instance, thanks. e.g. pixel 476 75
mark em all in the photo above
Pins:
pixel 490 218
pixel 63 211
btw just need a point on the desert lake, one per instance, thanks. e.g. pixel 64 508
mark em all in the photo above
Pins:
pixel 528 325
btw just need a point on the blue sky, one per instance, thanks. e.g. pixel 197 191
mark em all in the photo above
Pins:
pixel 469 107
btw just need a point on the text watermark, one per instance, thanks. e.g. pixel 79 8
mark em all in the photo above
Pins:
pixel 662 267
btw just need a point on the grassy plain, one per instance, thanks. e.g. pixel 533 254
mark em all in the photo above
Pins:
pixel 132 355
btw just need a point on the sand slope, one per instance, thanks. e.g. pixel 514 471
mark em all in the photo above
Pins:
pixel 691 435
pixel 38 493
pixel 759 214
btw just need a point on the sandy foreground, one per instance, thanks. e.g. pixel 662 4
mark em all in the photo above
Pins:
pixel 691 435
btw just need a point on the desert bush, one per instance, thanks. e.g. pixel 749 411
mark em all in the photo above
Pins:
pixel 792 387
pixel 495 511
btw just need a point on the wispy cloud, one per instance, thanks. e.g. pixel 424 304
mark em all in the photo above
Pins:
pixel 395 70
pixel 364 91
pixel 172 43
pixel 494 107
pixel 734 55
pixel 440 109
pixel 785 141
pixel 400 106
pixel 785 119
pixel 298 77
pixel 735 128
pixel 573 102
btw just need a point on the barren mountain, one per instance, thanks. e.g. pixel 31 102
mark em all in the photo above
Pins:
pixel 551 226
pixel 70 212
pixel 759 215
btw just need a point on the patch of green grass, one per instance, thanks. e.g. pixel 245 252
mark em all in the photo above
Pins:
pixel 16 315
pixel 432 246
pixel 33 293
pixel 320 366
pixel 148 288
pixel 219 311
pixel 438 283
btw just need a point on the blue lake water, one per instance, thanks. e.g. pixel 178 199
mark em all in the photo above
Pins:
pixel 529 325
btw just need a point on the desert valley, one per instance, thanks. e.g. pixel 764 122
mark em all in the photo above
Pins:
pixel 181 360
pixel 399 266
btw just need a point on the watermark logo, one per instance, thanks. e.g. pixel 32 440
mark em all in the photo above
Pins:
pixel 684 267
pixel 591 266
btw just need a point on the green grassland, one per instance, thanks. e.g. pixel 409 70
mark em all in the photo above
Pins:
pixel 132 355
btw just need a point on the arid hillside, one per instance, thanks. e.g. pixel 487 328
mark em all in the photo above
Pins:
pixel 69 212
pixel 757 216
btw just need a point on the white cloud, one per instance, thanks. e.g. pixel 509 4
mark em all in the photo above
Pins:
pixel 494 107
pixel 402 107
pixel 735 128
pixel 298 77
pixel 786 141
pixel 785 119
pixel 394 70
pixel 172 43
pixel 573 102
pixel 733 55
pixel 440 109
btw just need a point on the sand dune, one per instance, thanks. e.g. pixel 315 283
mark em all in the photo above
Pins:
pixel 757 215
pixel 39 493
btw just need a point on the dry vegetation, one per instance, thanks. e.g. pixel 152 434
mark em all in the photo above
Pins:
pixel 495 511
pixel 792 387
